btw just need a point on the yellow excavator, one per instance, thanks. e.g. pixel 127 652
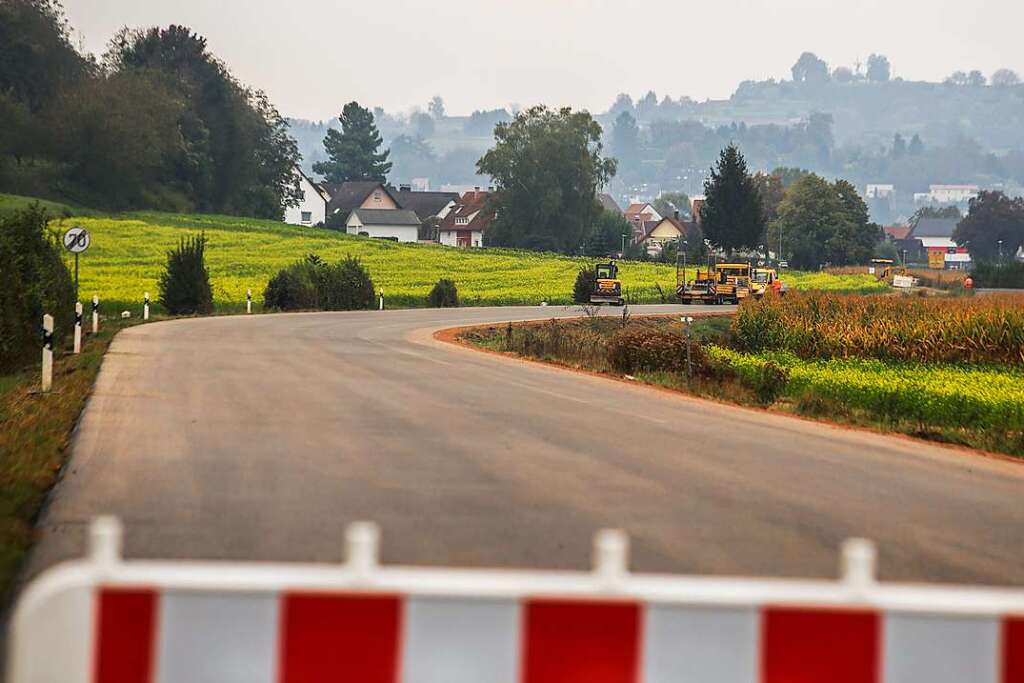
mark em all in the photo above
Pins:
pixel 608 288
pixel 722 283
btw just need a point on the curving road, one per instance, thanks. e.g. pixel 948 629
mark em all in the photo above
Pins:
pixel 261 437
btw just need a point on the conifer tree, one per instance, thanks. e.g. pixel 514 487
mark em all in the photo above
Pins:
pixel 732 216
pixel 353 151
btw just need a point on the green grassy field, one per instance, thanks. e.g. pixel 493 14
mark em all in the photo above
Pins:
pixel 128 253
pixel 13 202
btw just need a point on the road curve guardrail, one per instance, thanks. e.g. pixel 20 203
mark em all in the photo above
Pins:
pixel 103 619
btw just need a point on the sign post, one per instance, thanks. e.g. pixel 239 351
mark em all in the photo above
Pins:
pixel 76 240
pixel 78 327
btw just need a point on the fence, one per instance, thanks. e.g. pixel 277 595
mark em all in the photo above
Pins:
pixel 103 620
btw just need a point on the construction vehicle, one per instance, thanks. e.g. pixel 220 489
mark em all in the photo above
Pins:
pixel 720 284
pixel 764 279
pixel 608 288
pixel 885 268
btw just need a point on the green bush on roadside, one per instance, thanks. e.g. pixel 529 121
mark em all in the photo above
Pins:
pixel 643 348
pixel 586 283
pixel 33 281
pixel 444 294
pixel 312 284
pixel 185 283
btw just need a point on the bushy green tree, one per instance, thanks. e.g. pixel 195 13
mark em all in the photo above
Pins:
pixel 586 283
pixel 353 152
pixel 606 237
pixel 33 281
pixel 994 224
pixel 185 283
pixel 733 213
pixel 825 223
pixel 547 167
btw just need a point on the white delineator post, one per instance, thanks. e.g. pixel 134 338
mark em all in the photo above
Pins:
pixel 145 306
pixel 78 327
pixel 47 352
pixel 382 299
pixel 95 314
pixel 248 301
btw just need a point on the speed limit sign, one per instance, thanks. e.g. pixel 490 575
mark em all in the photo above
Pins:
pixel 76 240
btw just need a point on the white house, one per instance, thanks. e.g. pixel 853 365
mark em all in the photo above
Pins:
pixel 879 191
pixel 465 223
pixel 947 194
pixel 400 225
pixel 312 210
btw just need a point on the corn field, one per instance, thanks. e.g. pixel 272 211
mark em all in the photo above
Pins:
pixel 827 326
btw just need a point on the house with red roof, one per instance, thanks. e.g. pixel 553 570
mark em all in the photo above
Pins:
pixel 465 223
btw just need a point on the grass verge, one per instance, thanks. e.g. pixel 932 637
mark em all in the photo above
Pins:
pixel 35 430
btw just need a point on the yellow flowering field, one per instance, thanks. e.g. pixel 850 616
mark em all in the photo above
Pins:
pixel 128 254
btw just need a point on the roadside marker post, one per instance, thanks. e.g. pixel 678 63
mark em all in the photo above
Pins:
pixel 145 306
pixel 248 301
pixel 381 299
pixel 95 314
pixel 47 352
pixel 176 622
pixel 78 327
pixel 686 320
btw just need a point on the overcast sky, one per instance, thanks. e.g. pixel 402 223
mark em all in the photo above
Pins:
pixel 312 56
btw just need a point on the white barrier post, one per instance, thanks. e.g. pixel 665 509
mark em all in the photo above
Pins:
pixel 47 352
pixel 145 306
pixel 381 299
pixel 362 540
pixel 95 314
pixel 105 540
pixel 248 301
pixel 611 556
pixel 78 327
pixel 858 564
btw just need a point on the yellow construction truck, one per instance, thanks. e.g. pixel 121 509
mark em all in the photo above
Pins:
pixel 722 283
pixel 764 279
pixel 608 287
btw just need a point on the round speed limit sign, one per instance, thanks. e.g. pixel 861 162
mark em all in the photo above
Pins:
pixel 76 240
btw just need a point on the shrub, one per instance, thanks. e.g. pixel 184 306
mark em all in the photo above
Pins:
pixel 313 284
pixel 293 288
pixel 999 275
pixel 586 283
pixel 444 294
pixel 639 348
pixel 185 283
pixel 33 281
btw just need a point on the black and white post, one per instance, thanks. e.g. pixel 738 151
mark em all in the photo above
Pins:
pixel 47 352
pixel 248 301
pixel 382 299
pixel 78 327
pixel 95 314
pixel 145 306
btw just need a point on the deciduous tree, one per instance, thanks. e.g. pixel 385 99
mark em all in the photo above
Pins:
pixel 547 167
pixel 993 218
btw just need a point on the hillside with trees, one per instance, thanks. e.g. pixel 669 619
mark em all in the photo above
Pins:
pixel 158 122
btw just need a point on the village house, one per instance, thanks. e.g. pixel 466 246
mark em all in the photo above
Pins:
pixel 399 225
pixel 671 229
pixel 935 236
pixel 312 208
pixel 642 217
pixel 360 194
pixel 465 224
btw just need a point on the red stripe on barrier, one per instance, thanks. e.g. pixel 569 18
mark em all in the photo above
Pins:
pixel 811 646
pixel 125 636
pixel 339 638
pixel 592 642
pixel 1013 650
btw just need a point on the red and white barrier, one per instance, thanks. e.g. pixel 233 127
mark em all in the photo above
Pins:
pixel 104 620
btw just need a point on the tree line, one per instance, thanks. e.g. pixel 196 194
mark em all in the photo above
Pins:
pixel 157 122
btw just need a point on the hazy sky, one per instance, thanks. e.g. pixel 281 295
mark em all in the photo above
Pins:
pixel 313 56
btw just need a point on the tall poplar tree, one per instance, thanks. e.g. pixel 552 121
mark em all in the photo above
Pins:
pixel 353 151
pixel 733 214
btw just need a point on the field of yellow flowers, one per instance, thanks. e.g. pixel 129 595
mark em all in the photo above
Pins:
pixel 128 254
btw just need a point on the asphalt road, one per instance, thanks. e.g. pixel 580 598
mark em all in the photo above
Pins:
pixel 262 437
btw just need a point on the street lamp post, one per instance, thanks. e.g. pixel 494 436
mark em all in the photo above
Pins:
pixel 1000 251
